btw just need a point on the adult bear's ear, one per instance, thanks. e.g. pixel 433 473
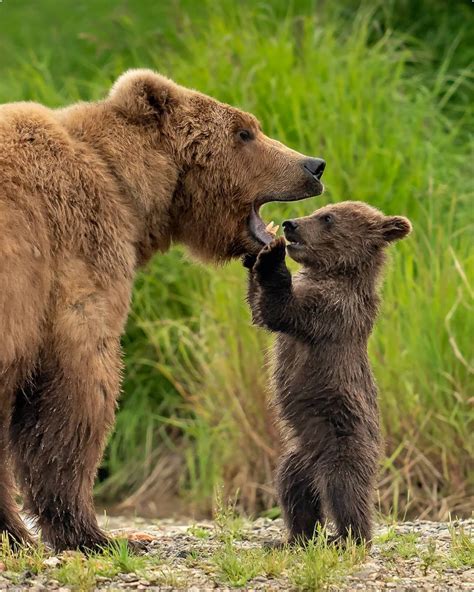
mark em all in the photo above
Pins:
pixel 144 94
pixel 395 227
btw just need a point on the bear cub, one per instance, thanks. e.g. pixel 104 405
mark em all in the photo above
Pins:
pixel 325 394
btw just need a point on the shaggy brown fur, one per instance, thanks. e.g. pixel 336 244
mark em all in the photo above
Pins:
pixel 88 193
pixel 324 389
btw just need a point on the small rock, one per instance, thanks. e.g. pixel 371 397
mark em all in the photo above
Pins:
pixel 468 576
pixel 52 562
pixel 129 577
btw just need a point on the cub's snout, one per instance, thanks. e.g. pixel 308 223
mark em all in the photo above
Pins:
pixel 289 225
pixel 291 232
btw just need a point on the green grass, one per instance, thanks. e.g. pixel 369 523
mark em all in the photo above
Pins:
pixel 312 567
pixel 462 548
pixel 384 93
pixel 199 532
pixel 400 545
pixel 73 568
pixel 230 556
pixel 25 559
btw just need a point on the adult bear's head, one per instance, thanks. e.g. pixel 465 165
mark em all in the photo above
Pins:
pixel 221 166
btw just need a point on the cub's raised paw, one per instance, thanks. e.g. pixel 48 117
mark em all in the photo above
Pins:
pixel 271 256
pixel 248 261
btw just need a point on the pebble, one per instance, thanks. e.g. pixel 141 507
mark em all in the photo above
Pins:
pixel 129 577
pixel 52 562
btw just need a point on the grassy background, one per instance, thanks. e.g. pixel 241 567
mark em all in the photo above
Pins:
pixel 384 92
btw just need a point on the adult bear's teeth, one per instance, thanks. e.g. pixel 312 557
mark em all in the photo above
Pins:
pixel 272 228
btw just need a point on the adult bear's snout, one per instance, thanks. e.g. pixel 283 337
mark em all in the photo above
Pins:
pixel 314 167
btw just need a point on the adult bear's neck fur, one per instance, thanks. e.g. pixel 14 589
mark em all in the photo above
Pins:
pixel 144 176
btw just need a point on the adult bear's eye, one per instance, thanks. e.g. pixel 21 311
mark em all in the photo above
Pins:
pixel 245 135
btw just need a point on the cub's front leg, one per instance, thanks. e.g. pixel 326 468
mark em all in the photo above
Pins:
pixel 272 286
pixel 282 308
pixel 266 271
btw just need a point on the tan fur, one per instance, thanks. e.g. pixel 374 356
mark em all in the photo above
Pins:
pixel 88 193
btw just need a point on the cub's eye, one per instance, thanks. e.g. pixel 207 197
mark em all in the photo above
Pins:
pixel 328 219
pixel 245 135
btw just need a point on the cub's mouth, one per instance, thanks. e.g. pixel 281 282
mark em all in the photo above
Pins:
pixel 264 232
pixel 292 236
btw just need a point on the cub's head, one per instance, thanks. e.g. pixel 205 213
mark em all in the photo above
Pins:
pixel 343 238
pixel 224 168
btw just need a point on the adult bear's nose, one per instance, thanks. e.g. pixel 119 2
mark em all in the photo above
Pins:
pixel 289 225
pixel 315 167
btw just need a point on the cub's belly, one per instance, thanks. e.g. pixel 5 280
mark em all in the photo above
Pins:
pixel 293 363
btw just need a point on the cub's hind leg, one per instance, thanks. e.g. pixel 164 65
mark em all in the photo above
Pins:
pixel 300 501
pixel 349 488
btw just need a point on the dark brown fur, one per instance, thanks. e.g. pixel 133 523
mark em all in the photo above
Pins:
pixel 87 194
pixel 324 389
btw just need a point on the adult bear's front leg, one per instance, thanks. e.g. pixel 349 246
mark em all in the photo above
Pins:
pixel 60 421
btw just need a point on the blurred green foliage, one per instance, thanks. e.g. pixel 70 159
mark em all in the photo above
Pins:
pixel 384 92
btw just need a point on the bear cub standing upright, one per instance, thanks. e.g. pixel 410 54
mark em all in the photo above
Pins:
pixel 324 389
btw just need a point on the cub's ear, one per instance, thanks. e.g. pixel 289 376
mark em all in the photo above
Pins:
pixel 395 227
pixel 144 94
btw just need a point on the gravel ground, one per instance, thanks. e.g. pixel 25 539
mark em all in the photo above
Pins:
pixel 182 548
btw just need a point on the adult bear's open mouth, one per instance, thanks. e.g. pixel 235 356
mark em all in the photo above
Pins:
pixel 258 229
pixel 261 231
pixel 309 185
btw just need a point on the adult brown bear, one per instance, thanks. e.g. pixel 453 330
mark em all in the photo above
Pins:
pixel 87 194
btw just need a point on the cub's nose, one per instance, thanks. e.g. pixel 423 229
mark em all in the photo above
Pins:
pixel 290 225
pixel 315 167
